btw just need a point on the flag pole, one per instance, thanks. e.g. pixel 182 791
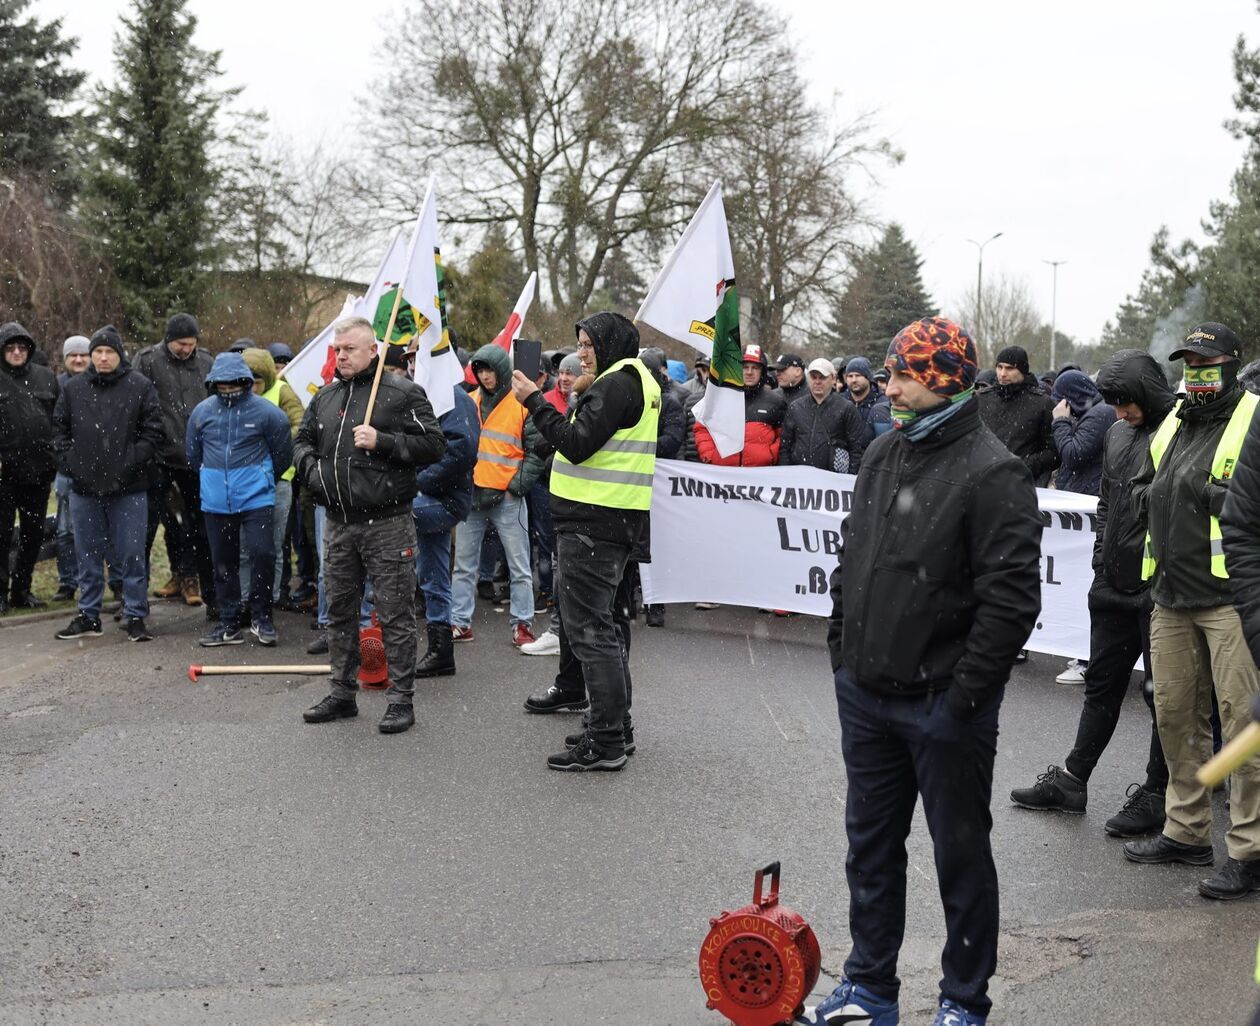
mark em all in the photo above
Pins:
pixel 380 357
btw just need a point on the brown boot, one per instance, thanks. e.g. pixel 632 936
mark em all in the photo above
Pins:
pixel 192 591
pixel 170 589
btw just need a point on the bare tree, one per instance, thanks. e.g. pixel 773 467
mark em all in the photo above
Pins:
pixel 1006 316
pixel 577 127
pixel 794 213
pixel 51 277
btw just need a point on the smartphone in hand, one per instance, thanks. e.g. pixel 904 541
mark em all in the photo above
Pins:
pixel 527 357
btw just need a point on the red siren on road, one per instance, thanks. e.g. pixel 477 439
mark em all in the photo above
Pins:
pixel 757 965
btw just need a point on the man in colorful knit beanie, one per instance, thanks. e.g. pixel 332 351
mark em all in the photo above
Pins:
pixel 937 590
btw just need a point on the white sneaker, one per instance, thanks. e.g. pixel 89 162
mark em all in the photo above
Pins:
pixel 1073 673
pixel 547 643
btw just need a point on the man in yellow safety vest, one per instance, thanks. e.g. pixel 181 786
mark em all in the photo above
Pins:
pixel 601 491
pixel 1197 641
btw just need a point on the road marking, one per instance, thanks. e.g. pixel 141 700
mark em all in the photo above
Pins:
pixel 772 716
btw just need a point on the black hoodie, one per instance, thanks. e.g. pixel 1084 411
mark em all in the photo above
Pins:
pixel 610 403
pixel 28 395
pixel 1129 375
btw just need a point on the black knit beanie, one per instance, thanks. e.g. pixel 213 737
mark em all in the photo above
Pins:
pixel 108 336
pixel 1016 357
pixel 182 325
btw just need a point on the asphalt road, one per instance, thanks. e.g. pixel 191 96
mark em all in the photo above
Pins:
pixel 194 853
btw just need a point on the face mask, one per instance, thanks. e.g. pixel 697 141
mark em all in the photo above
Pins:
pixel 1206 384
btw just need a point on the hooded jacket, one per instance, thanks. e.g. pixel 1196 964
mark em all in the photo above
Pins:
pixel 1130 375
pixel 357 485
pixel 28 396
pixel 1174 504
pixel 815 433
pixel 939 582
pixel 531 467
pixel 449 480
pixel 108 431
pixel 239 445
pixel 1020 416
pixel 604 406
pixel 263 366
pixel 764 412
pixel 672 426
pixel 1079 438
pixel 181 386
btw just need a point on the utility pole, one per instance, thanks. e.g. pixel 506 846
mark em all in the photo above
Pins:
pixel 1054 301
pixel 980 280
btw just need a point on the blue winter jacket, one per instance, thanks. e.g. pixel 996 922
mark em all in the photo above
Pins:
pixel 240 445
pixel 1079 438
pixel 449 480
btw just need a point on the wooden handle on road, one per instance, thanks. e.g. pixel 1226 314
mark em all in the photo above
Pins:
pixel 195 671
pixel 1223 763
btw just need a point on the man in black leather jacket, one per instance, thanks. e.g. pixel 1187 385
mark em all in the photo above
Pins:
pixel 1119 607
pixel 937 590
pixel 365 475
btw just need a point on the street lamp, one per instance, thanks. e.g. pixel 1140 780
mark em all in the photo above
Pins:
pixel 980 276
pixel 1054 299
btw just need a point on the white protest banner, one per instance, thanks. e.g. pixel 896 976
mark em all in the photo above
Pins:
pixel 768 537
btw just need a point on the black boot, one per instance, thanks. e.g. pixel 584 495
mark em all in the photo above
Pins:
pixel 439 660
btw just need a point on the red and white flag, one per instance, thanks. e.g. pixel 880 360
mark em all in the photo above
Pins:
pixel 512 330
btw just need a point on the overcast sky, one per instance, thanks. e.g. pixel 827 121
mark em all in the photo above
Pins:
pixel 1074 129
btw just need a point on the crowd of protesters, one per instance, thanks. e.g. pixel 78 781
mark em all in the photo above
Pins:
pixel 544 485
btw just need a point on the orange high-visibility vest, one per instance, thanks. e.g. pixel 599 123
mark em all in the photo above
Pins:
pixel 500 451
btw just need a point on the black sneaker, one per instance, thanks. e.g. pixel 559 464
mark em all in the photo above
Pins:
pixel 485 591
pixel 320 645
pixel 81 627
pixel 397 718
pixel 331 708
pixel 1164 849
pixel 64 594
pixel 572 741
pixel 1236 879
pixel 222 635
pixel 136 630
pixel 1142 814
pixel 1055 790
pixel 554 700
pixel 654 616
pixel 587 755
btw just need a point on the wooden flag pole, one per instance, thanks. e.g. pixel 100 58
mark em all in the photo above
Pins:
pixel 380 359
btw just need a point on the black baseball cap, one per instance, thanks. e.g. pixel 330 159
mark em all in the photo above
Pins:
pixel 1210 339
pixel 790 360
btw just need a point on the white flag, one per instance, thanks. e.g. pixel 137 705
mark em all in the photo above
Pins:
pixel 314 364
pixel 694 300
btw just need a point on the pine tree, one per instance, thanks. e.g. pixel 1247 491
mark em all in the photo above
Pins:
pixel 35 85
pixel 152 185
pixel 884 294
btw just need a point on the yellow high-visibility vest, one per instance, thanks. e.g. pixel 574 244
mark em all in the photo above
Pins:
pixel 272 395
pixel 1223 462
pixel 619 475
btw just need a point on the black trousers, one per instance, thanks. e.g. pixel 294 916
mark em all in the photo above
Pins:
pixel 175 503
pixel 897 748
pixel 27 500
pixel 1116 638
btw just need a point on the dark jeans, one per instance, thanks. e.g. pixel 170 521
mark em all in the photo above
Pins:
pixel 588 578
pixel 385 550
pixel 434 524
pixel 1116 637
pixel 176 503
pixel 895 749
pixel 228 533
pixel 26 499
pixel 543 533
pixel 112 527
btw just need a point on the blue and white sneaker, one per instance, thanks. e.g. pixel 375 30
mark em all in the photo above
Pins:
pixel 951 1013
pixel 849 1003
pixel 264 632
